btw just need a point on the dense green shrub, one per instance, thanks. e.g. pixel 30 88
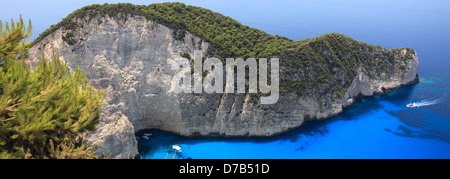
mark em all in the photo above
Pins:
pixel 42 112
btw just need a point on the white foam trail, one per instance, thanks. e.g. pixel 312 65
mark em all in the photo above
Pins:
pixel 426 103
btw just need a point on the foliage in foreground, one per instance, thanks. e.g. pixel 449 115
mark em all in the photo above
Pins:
pixel 42 112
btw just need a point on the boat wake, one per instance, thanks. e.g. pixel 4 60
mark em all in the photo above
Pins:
pixel 425 103
pixel 427 99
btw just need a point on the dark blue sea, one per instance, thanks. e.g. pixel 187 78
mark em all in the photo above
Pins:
pixel 374 127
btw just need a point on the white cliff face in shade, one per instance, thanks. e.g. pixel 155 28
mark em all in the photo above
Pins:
pixel 131 59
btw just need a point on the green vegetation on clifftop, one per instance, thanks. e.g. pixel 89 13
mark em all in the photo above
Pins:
pixel 327 63
pixel 229 37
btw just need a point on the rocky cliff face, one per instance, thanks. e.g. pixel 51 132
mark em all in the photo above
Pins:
pixel 131 59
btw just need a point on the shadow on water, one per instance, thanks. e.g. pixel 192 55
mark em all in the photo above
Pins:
pixel 162 141
pixel 363 106
pixel 427 122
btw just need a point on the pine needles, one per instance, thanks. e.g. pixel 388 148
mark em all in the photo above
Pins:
pixel 43 112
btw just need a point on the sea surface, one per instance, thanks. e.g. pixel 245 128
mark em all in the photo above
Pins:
pixel 374 127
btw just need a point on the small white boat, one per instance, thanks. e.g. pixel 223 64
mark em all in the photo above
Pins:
pixel 177 148
pixel 145 137
pixel 410 105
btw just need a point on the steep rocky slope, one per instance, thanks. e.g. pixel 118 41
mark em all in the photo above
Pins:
pixel 130 57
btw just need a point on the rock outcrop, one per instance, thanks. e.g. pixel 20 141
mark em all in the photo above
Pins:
pixel 131 59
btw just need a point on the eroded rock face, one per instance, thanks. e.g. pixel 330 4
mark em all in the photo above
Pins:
pixel 131 59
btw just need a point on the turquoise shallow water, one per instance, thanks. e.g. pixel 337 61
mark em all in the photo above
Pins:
pixel 374 127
